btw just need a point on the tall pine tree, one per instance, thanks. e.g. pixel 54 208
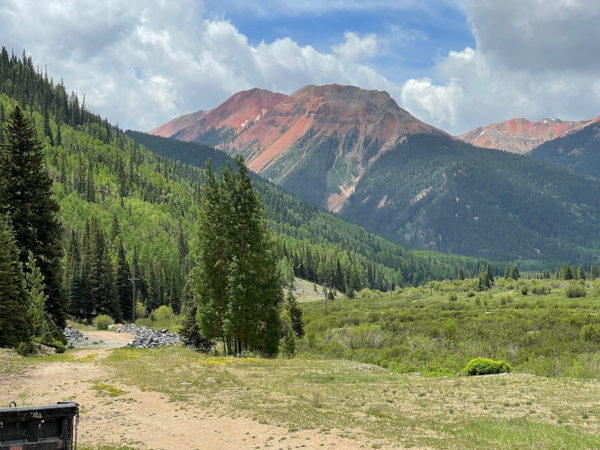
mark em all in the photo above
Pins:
pixel 237 284
pixel 123 285
pixel 13 299
pixel 25 197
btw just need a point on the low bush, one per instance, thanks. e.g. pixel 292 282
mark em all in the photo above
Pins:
pixel 540 290
pixel 59 346
pixel 452 297
pixel 524 290
pixel 26 348
pixel 484 366
pixel 591 333
pixel 575 290
pixel 103 321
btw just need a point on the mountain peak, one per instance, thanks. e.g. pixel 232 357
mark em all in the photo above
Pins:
pixel 519 135
pixel 341 129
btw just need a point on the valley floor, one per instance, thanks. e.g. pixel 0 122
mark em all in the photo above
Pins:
pixel 176 398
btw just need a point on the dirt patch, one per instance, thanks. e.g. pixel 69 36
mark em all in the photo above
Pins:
pixel 105 340
pixel 144 419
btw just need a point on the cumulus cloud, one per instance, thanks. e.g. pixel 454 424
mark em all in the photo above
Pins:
pixel 357 48
pixel 142 64
pixel 533 59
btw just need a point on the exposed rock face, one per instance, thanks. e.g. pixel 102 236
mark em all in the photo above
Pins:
pixel 519 135
pixel 149 337
pixel 319 140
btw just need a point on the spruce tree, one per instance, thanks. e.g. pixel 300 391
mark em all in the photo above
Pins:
pixel 237 283
pixel 12 293
pixel 593 272
pixel 36 298
pixel 25 197
pixel 294 313
pixel 100 277
pixel 189 332
pixel 123 285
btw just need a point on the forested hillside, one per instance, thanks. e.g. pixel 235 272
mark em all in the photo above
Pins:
pixel 125 208
pixel 358 154
pixel 454 197
pixel 578 151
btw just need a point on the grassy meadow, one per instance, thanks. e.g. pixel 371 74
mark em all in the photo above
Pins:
pixel 382 369
pixel 437 329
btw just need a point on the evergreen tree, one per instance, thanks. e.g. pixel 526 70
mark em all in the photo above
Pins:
pixel 593 272
pixel 189 332
pixel 36 298
pixel 514 273
pixel 294 314
pixel 12 294
pixel 100 277
pixel 239 292
pixel 123 285
pixel 25 197
pixel 174 300
pixel 490 274
pixel 581 273
pixel 58 135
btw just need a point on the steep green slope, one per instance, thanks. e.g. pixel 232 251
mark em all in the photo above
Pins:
pixel 295 218
pixel 578 151
pixel 433 192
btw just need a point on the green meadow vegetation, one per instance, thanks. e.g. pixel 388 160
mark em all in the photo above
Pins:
pixel 436 329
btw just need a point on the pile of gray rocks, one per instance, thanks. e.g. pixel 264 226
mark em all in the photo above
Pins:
pixel 73 336
pixel 146 337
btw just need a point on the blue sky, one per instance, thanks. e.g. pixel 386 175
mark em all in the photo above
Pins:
pixel 415 37
pixel 455 64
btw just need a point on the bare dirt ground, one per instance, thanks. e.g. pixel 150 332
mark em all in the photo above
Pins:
pixel 143 419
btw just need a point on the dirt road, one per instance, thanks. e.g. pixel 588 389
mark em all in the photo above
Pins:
pixel 142 419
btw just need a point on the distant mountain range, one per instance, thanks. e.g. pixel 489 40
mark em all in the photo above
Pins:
pixel 357 153
pixel 519 135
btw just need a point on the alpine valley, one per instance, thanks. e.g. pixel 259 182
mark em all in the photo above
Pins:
pixel 358 154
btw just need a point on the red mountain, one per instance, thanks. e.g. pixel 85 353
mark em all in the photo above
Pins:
pixel 320 139
pixel 519 135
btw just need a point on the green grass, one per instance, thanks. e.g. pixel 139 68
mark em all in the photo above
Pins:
pixel 438 329
pixel 369 403
pixel 523 433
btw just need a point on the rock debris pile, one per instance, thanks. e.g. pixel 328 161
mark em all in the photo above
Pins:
pixel 149 337
pixel 73 336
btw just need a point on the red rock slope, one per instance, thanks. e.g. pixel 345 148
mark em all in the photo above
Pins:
pixel 519 135
pixel 342 128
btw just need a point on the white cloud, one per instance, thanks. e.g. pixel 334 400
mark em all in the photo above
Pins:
pixel 533 59
pixel 142 64
pixel 357 48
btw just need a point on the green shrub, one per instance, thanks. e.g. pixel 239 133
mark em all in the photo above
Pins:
pixel 452 297
pixel 540 290
pixel 103 321
pixel 59 346
pixel 484 366
pixel 26 348
pixel 575 290
pixel 524 290
pixel 162 313
pixel 591 333
pixel 140 310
